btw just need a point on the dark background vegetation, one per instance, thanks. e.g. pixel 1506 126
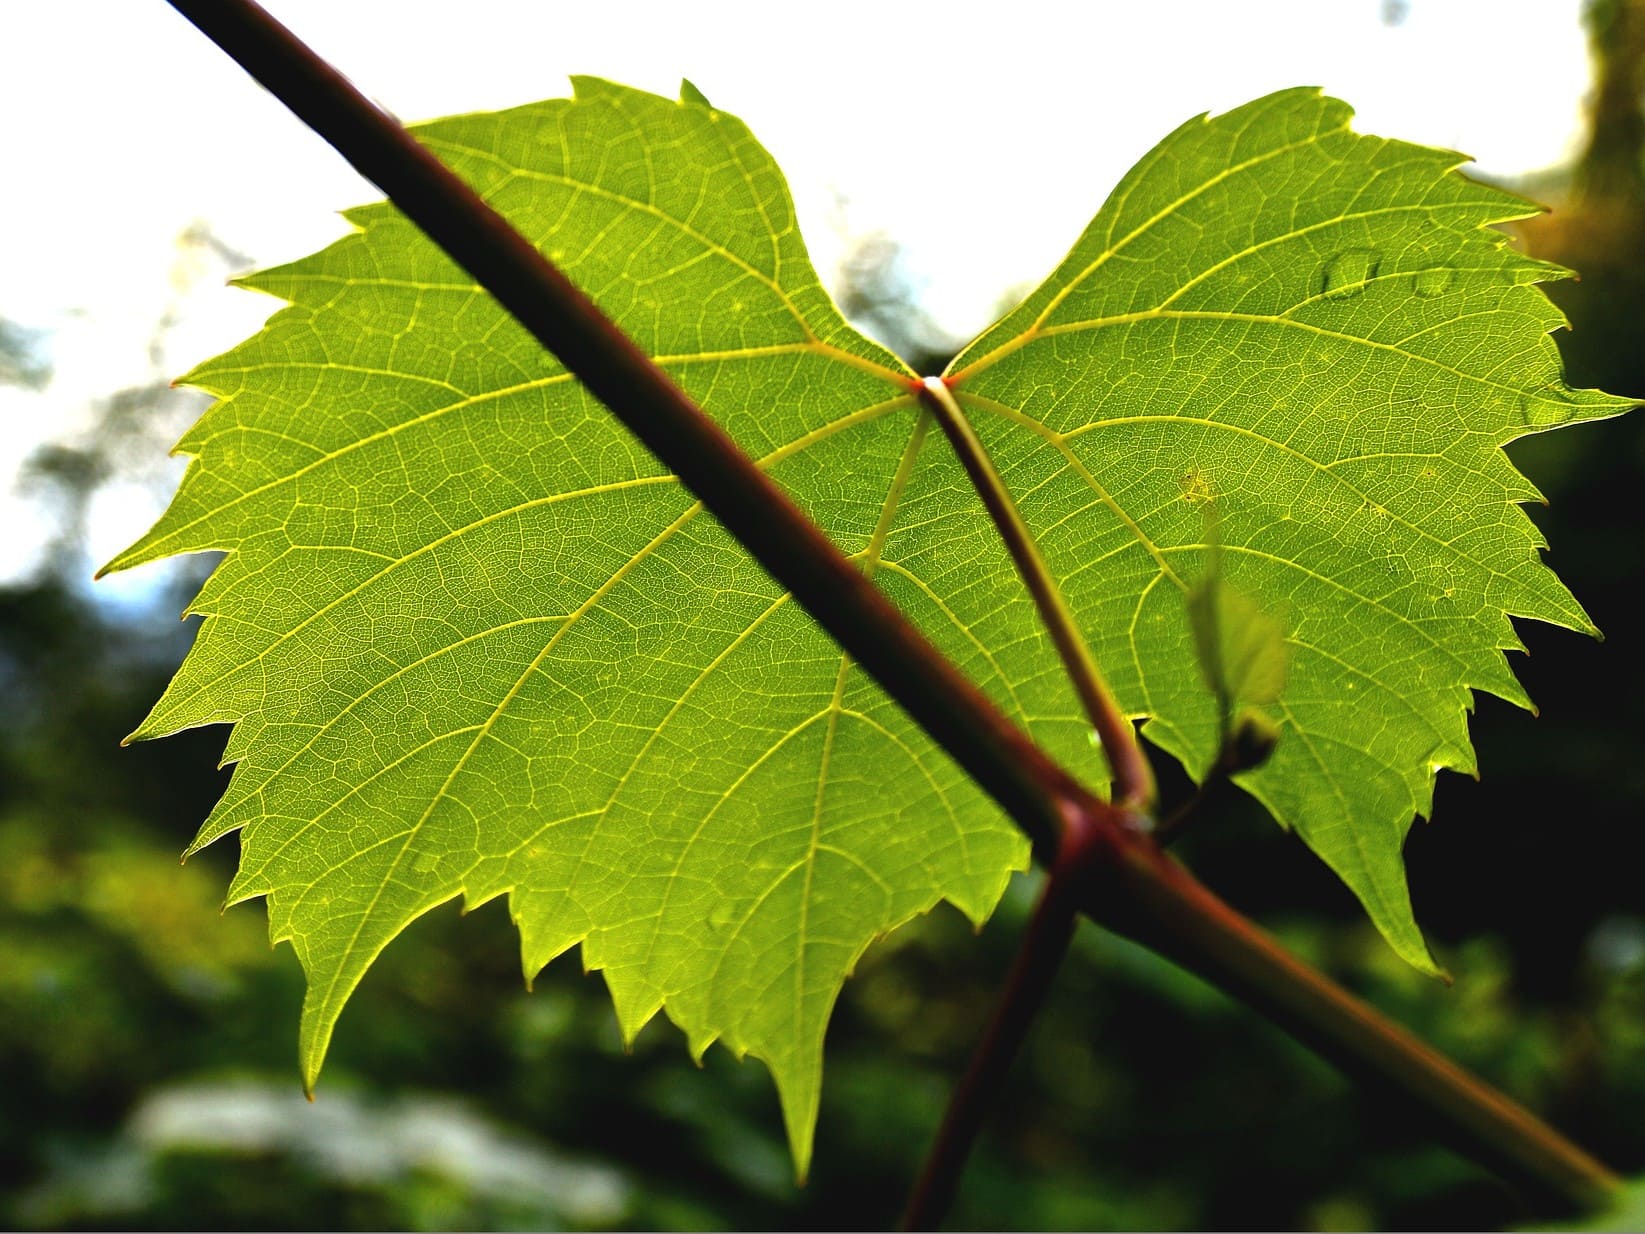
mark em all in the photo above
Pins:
pixel 147 1043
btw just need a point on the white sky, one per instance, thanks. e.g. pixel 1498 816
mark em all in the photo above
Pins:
pixel 981 143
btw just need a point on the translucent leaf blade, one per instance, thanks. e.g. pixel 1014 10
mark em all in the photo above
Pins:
pixel 476 642
pixel 1317 331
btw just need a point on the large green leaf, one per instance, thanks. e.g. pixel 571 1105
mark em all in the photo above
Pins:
pixel 474 641
pixel 1311 329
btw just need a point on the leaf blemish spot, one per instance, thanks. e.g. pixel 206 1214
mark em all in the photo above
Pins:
pixel 1196 489
pixel 1430 283
pixel 1348 272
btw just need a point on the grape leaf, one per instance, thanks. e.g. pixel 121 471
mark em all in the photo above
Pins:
pixel 474 641
pixel 1313 330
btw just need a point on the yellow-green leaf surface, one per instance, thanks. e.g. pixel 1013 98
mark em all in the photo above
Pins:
pixel 474 641
pixel 1311 329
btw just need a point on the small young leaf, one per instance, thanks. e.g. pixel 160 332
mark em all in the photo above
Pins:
pixel 1241 649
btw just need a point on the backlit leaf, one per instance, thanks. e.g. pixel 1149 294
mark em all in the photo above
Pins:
pixel 1317 331
pixel 475 642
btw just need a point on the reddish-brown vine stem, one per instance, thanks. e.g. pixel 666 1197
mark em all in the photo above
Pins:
pixel 1039 955
pixel 1133 778
pixel 1128 883
pixel 1086 843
